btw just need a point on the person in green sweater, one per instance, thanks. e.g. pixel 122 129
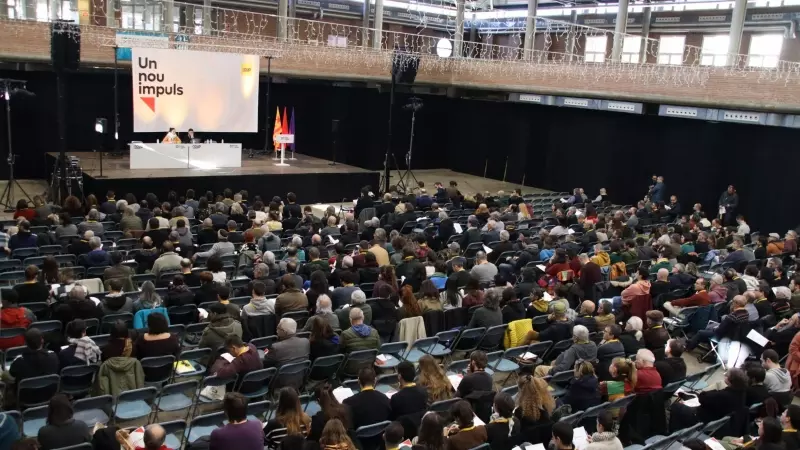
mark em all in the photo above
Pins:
pixel 663 260
pixel 358 337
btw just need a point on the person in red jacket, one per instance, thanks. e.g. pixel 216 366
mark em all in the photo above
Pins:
pixel 700 298
pixel 647 377
pixel 245 359
pixel 14 316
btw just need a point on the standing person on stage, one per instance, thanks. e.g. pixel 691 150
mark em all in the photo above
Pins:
pixel 171 137
pixel 729 200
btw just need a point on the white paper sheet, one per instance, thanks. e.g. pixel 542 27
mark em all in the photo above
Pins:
pixel 535 447
pixel 541 267
pixel 758 338
pixel 202 313
pixel 455 380
pixel 341 393
pixel 332 240
pixel 227 357
pixel 528 355
pixel 579 438
pixel 383 357
pixel 486 249
pixel 713 444
pixel 547 297
pixel 457 227
pixel 476 421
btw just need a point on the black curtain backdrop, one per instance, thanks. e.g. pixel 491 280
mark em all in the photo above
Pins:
pixel 551 148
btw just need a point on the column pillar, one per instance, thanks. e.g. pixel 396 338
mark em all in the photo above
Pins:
pixel 458 47
pixel 111 17
pixel 207 17
pixel 377 39
pixel 169 16
pixel 283 15
pixel 3 9
pixel 573 32
pixel 530 30
pixel 737 26
pixel 365 31
pixel 646 18
pixel 54 9
pixel 619 30
pixel 472 49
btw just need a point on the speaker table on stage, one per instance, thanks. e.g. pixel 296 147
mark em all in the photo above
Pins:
pixel 185 156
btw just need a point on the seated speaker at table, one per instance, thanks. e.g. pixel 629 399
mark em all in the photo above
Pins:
pixel 192 138
pixel 171 137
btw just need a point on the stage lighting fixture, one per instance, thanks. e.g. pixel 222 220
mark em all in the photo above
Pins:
pixel 100 125
pixel 444 48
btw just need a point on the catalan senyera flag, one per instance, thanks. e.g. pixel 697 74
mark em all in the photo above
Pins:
pixel 278 128
pixel 285 126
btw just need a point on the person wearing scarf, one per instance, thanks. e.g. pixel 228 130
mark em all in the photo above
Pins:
pixel 604 438
pixel 499 429
pixel 81 350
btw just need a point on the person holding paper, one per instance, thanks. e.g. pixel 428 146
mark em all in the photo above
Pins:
pixel 604 438
pixel 714 404
pixel 673 367
pixel 464 435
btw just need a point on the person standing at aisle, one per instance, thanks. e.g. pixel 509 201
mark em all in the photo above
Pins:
pixel 728 204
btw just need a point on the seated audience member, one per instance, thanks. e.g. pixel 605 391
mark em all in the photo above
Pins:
pixel 368 406
pixel 330 409
pixel 239 433
pixel 393 435
pixel 246 358
pixel 582 349
pixel 499 429
pixel 430 436
pixel 734 326
pixel 483 270
pixel 411 398
pixel 777 378
pixel 605 315
pixel 756 391
pixel 610 345
pixel 535 406
pixel 179 294
pixel 324 311
pixel 513 309
pixel 291 298
pixel 61 429
pixel 655 337
pixel 586 317
pixel 464 435
pixel 631 337
pixel 116 302
pixel 647 377
pixel 430 297
pixel 35 360
pixel 476 379
pixel 583 392
pixel 289 349
pixel 119 342
pixel 770 434
pixel 341 295
pixel 604 438
pixel 432 377
pixel 289 418
pixel 259 305
pixel 358 337
pixel 790 420
pixel 335 437
pixel 157 340
pixel 359 300
pixel 672 368
pixel 220 326
pixel 81 350
pixel 489 314
pixel 32 290
pixel 323 340
pixel 559 327
pixel 168 261
pixel 562 436
pixel 623 378
pixel 149 301
pixel 714 404
pixel 699 298
pixel 14 316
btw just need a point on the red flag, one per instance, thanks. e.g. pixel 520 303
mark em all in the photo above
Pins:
pixel 278 127
pixel 285 126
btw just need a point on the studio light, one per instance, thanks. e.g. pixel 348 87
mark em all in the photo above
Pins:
pixel 100 125
pixel 444 48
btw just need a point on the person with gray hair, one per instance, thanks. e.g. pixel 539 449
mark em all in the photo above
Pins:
pixel 97 257
pixel 92 223
pixel 220 217
pixel 505 245
pixel 358 299
pixel 717 292
pixel 483 270
pixel 154 437
pixel 178 213
pixel 220 248
pixel 358 337
pixel 289 349
pixel 582 349
pixel 325 311
pixel 378 246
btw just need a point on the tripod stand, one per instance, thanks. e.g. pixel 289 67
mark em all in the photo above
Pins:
pixel 7 197
pixel 415 104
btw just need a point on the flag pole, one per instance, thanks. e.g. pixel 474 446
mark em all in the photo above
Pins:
pixel 291 131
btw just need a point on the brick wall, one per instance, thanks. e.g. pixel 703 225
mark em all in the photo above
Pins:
pixel 30 41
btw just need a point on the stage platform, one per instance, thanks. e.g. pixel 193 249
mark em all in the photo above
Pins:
pixel 312 179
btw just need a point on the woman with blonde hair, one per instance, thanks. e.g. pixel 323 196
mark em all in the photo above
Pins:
pixel 535 405
pixel 432 377
pixel 334 437
pixel 582 392
pixel 623 379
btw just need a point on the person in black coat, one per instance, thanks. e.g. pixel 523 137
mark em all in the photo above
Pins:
pixel 498 432
pixel 35 360
pixel 513 309
pixel 62 430
pixel 583 391
pixel 672 368
pixel 476 379
pixel 471 235
pixel 364 201
pixel 714 404
pixel 410 399
pixel 368 406
pixel 756 392
pixel 407 216
pixel 324 342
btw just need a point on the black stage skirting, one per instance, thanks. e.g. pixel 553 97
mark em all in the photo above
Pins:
pixel 336 184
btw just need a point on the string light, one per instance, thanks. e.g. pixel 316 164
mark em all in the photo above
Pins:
pixel 247 32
